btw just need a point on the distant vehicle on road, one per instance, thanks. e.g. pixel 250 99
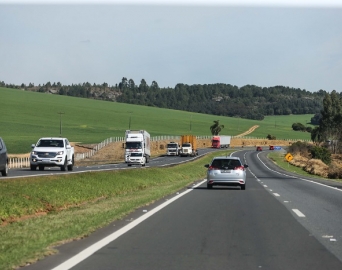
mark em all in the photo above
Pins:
pixel 173 149
pixel 220 141
pixel 3 158
pixel 52 152
pixel 137 147
pixel 271 147
pixel 259 148
pixel 189 146
pixel 226 171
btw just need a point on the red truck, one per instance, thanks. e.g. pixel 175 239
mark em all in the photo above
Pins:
pixel 220 141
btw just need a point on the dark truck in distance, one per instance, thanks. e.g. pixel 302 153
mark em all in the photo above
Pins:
pixel 3 158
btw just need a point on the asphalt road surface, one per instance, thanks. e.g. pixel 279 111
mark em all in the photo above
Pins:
pixel 280 221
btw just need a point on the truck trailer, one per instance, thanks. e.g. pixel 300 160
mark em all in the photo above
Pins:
pixel 137 147
pixel 189 146
pixel 220 141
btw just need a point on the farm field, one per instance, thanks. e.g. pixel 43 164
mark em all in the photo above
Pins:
pixel 27 116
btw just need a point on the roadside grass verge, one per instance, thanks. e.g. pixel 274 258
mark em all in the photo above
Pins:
pixel 39 213
pixel 279 159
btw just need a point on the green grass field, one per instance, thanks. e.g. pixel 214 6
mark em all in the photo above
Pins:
pixel 78 204
pixel 27 116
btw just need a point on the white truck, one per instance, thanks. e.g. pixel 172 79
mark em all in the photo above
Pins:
pixel 52 152
pixel 137 147
pixel 189 146
pixel 173 149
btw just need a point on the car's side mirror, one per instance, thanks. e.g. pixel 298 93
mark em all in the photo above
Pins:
pixel 68 146
pixel 206 165
pixel 33 146
pixel 245 165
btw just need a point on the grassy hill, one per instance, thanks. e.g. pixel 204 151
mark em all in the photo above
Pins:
pixel 27 116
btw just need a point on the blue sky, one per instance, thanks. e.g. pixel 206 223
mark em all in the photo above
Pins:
pixel 290 43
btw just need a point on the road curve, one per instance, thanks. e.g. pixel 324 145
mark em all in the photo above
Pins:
pixel 280 221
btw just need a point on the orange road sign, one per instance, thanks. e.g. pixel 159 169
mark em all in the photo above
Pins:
pixel 288 157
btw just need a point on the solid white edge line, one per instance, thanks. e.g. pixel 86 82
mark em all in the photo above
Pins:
pixel 298 213
pixel 294 177
pixel 105 241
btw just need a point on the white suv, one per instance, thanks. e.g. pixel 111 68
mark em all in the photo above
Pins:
pixel 52 152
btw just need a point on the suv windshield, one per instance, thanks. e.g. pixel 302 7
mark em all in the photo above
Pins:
pixel 50 143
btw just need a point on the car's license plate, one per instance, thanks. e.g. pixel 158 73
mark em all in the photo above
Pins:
pixel 226 171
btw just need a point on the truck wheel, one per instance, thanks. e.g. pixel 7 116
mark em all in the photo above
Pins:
pixel 33 167
pixel 41 168
pixel 71 166
pixel 64 166
pixel 5 171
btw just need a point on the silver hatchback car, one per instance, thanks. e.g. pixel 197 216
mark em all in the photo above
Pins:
pixel 226 171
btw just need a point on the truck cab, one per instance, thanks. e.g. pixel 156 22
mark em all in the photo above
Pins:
pixel 172 149
pixel 137 147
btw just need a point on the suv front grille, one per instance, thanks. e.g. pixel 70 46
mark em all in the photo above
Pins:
pixel 46 154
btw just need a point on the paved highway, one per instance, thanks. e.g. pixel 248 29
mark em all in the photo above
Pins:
pixel 280 221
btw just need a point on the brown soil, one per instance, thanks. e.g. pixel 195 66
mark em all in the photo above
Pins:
pixel 248 131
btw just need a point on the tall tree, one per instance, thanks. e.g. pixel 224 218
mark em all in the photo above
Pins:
pixel 216 128
pixel 330 123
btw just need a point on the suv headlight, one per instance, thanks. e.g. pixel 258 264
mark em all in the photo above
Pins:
pixel 34 152
pixel 60 153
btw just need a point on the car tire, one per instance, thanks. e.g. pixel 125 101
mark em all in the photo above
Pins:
pixel 209 186
pixel 5 171
pixel 71 166
pixel 41 168
pixel 64 166
pixel 243 187
pixel 33 167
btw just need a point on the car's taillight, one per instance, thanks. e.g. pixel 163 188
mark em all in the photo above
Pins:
pixel 211 168
pixel 239 168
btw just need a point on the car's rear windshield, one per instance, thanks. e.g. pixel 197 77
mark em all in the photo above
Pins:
pixel 226 163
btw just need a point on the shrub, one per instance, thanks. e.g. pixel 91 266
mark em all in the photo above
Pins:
pixel 335 172
pixel 301 148
pixel 298 127
pixel 271 137
pixel 321 153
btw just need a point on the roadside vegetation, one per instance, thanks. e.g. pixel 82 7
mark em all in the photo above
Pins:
pixel 42 212
pixel 31 115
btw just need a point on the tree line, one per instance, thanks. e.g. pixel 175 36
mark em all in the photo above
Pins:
pixel 249 101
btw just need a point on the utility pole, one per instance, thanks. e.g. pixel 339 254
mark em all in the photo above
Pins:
pixel 60 123
pixel 129 122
